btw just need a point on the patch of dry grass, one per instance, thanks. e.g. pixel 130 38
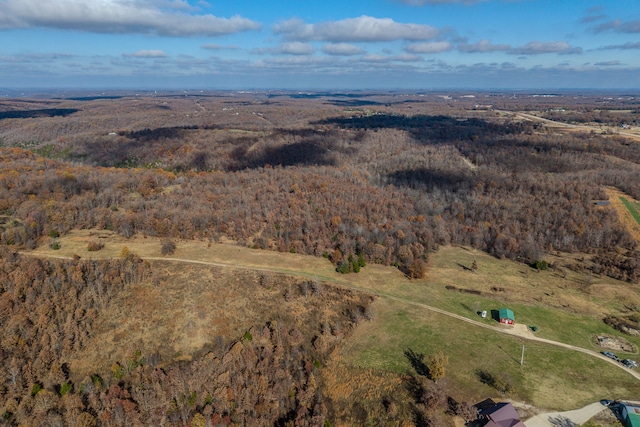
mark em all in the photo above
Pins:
pixel 186 309
pixel 511 282
pixel 625 217
pixel 193 302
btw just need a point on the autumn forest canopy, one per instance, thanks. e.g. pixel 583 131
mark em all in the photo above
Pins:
pixel 390 184
pixel 358 178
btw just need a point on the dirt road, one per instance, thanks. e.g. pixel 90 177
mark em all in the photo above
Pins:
pixel 517 330
pixel 568 126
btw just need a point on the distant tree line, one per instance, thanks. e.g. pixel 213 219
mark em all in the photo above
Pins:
pixel 389 189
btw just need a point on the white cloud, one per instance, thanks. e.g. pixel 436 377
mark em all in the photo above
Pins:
pixel 592 18
pixel 296 48
pixel 608 63
pixel 148 54
pixel 289 48
pixel 406 57
pixel 164 18
pixel 626 46
pixel 301 63
pixel 361 29
pixel 482 46
pixel 213 46
pixel 37 57
pixel 430 47
pixel 593 14
pixel 537 48
pixel 344 49
pixel 619 26
pixel 375 58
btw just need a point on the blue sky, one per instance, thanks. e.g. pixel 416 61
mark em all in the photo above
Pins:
pixel 304 44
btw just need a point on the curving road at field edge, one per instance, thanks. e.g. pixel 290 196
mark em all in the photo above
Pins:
pixel 503 330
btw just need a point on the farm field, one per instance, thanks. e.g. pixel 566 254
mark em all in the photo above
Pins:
pixel 550 378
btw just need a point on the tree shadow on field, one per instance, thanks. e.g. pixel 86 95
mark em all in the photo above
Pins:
pixel 305 153
pixel 485 377
pixel 428 129
pixel 511 356
pixel 417 362
pixel 561 421
pixel 31 114
pixel 464 267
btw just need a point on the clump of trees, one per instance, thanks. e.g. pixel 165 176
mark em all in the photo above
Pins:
pixel 427 385
pixel 93 246
pixel 500 381
pixel 49 310
pixel 351 264
pixel 168 247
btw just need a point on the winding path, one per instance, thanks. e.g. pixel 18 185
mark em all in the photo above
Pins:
pixel 518 331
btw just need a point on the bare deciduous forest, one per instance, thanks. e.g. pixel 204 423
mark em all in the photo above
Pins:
pixel 385 178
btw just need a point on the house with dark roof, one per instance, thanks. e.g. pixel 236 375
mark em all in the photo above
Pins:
pixel 501 414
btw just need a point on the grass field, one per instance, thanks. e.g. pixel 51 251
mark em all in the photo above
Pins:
pixel 550 378
pixel 625 215
pixel 633 208
pixel 567 309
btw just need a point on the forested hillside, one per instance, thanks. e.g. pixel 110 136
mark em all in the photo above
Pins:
pixel 387 186
pixel 48 315
pixel 375 179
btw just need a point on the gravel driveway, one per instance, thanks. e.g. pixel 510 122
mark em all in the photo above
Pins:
pixel 574 418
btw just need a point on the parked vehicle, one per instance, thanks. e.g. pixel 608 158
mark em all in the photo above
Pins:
pixel 610 355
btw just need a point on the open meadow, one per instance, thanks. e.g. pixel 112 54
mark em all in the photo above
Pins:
pixel 567 309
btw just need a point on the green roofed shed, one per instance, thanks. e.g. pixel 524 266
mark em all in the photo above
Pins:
pixel 506 316
pixel 631 414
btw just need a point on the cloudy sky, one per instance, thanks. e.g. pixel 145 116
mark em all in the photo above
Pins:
pixel 328 44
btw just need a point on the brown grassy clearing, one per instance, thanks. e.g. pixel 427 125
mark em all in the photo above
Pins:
pixel 185 308
pixel 596 128
pixel 189 308
pixel 624 215
pixel 506 281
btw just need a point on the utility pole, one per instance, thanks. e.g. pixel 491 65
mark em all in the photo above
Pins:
pixel 522 358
